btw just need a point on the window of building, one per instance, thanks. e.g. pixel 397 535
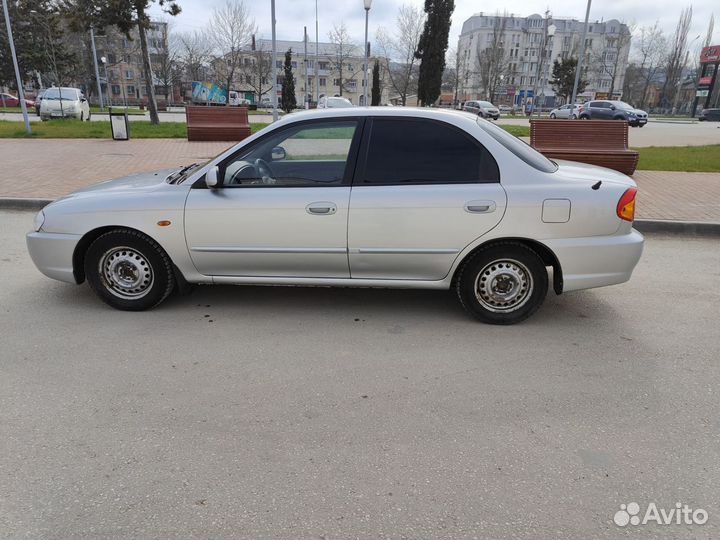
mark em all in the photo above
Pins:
pixel 130 90
pixel 129 75
pixel 116 89
pixel 395 158
pixel 323 81
pixel 336 82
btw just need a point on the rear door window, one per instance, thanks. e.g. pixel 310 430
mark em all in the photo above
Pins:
pixel 405 151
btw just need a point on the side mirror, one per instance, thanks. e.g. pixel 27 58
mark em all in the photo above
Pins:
pixel 83 100
pixel 211 177
pixel 278 153
pixel 612 107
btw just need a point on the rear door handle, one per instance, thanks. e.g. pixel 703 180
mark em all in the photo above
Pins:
pixel 321 208
pixel 480 207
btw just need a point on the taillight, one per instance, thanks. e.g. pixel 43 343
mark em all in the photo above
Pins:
pixel 626 205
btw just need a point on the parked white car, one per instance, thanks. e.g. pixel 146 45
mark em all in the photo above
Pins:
pixel 62 102
pixel 367 197
pixel 336 102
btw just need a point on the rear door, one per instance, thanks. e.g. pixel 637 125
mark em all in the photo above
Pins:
pixel 423 191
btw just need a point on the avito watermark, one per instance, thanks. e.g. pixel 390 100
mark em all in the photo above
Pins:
pixel 680 514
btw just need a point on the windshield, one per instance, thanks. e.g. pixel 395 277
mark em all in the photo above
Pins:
pixel 68 94
pixel 518 147
pixel 486 104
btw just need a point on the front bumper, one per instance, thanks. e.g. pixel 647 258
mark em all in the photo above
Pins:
pixel 52 253
pixel 597 261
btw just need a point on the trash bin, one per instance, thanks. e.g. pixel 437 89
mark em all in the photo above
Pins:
pixel 119 125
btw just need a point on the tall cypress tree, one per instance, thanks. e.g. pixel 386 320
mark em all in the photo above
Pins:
pixel 432 47
pixel 288 85
pixel 375 97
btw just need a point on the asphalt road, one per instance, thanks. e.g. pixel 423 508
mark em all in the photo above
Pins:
pixel 251 412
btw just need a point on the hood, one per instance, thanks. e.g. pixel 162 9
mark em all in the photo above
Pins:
pixel 134 184
pixel 573 170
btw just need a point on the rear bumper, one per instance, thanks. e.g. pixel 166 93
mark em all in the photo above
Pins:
pixel 597 261
pixel 52 253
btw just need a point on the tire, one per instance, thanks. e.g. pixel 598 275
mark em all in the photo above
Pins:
pixel 82 116
pixel 137 275
pixel 573 117
pixel 553 116
pixel 506 264
pixel 584 118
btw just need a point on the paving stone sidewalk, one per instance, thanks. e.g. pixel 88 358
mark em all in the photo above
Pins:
pixel 50 168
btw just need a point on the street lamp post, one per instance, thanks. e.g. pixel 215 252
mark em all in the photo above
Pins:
pixel 274 63
pixel 368 5
pixel 97 72
pixel 549 33
pixel 578 67
pixel 18 78
pixel 107 81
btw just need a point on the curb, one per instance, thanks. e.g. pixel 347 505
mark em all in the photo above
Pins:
pixel 691 228
pixel 17 203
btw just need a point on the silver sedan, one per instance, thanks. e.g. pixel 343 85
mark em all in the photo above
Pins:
pixel 367 197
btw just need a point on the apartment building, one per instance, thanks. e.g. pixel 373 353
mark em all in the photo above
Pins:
pixel 524 49
pixel 121 76
pixel 331 72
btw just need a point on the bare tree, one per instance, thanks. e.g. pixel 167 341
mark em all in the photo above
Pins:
pixel 651 51
pixel 398 50
pixel 676 57
pixel 230 31
pixel 343 49
pixel 492 58
pixel 195 51
pixel 257 70
pixel 710 30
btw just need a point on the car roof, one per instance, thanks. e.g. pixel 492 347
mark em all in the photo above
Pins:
pixel 449 115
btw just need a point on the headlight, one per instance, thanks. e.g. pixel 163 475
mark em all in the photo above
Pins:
pixel 39 220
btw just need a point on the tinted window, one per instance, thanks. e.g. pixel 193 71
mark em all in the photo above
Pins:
pixel 518 147
pixel 301 156
pixel 416 151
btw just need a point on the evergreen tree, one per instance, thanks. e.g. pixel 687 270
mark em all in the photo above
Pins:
pixel 288 85
pixel 563 78
pixel 375 97
pixel 432 47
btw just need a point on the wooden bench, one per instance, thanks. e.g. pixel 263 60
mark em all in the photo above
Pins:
pixel 217 123
pixel 597 142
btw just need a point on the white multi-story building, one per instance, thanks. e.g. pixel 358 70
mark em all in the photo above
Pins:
pixel 512 57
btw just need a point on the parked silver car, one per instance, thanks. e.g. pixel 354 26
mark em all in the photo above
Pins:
pixel 484 109
pixel 369 197
pixel 567 111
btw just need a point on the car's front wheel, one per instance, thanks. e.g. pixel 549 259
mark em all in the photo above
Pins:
pixel 502 284
pixel 129 270
pixel 552 115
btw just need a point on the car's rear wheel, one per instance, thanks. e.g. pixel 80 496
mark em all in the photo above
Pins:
pixel 502 284
pixel 129 270
pixel 574 116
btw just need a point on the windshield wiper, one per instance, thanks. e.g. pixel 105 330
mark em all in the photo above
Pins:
pixel 178 174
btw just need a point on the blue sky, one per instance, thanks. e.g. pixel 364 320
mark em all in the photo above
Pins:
pixel 292 15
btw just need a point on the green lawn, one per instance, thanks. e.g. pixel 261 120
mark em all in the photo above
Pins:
pixel 680 158
pixel 518 131
pixel 75 129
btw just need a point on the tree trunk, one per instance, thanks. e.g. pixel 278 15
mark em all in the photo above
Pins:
pixel 149 86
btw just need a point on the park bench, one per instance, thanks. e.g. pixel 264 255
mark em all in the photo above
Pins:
pixel 217 123
pixel 597 142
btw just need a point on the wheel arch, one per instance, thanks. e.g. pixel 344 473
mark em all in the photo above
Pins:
pixel 78 258
pixel 545 253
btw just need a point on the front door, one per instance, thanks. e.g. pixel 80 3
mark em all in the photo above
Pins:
pixel 282 207
pixel 426 190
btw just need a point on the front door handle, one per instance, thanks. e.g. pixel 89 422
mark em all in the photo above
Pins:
pixel 321 208
pixel 480 207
